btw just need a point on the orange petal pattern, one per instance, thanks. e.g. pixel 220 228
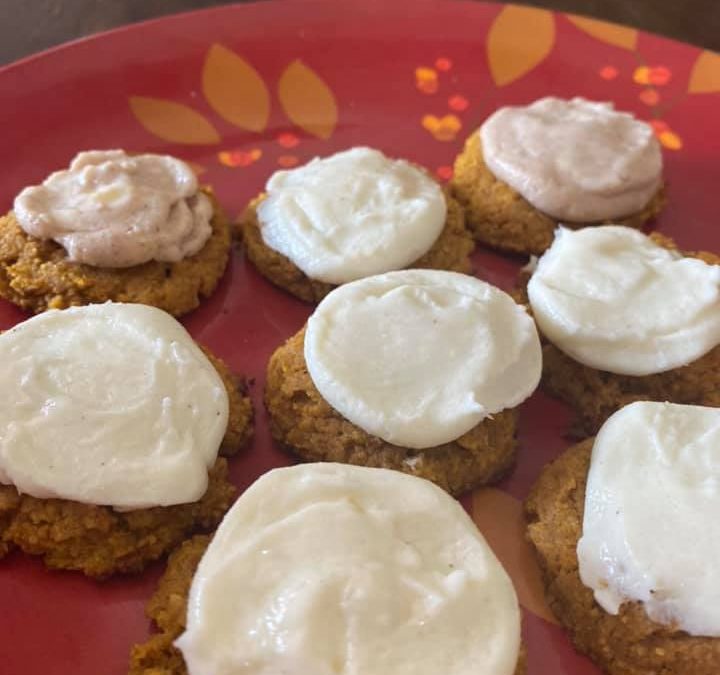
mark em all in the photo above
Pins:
pixel 499 517
pixel 288 161
pixel 670 140
pixel 236 158
pixel 519 39
pixel 442 128
pixel 610 33
pixel 426 80
pixel 173 122
pixel 608 72
pixel 307 100
pixel 705 75
pixel 649 96
pixel 235 90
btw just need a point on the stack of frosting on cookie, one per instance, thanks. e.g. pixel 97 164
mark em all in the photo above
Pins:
pixel 330 568
pixel 113 419
pixel 114 227
pixel 415 370
pixel 575 162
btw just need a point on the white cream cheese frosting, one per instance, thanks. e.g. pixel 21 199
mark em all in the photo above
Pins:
pixel 574 160
pixel 613 299
pixel 420 357
pixel 109 209
pixel 330 569
pixel 651 532
pixel 352 214
pixel 109 404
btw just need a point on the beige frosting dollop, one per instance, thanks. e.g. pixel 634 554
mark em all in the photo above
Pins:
pixel 575 160
pixel 420 357
pixel 109 404
pixel 351 215
pixel 613 299
pixel 109 209
pixel 330 569
pixel 651 532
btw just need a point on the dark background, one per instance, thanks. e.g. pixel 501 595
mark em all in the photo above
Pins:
pixel 28 26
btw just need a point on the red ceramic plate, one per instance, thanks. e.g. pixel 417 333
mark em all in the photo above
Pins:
pixel 242 91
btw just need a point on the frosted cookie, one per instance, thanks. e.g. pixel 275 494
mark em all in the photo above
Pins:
pixel 573 162
pixel 114 227
pixel 417 370
pixel 626 531
pixel 328 568
pixel 111 423
pixel 626 317
pixel 349 216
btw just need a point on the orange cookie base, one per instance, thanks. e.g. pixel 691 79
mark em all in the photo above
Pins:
pixel 450 252
pixel 626 644
pixel 303 422
pixel 499 217
pixel 36 275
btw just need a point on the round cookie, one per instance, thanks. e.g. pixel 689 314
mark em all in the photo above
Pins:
pixel 595 394
pixel 497 215
pixel 451 251
pixel 36 275
pixel 303 422
pixel 626 644
pixel 167 608
pixel 101 541
pixel 408 565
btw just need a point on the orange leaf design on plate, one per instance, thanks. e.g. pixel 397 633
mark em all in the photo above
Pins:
pixel 670 140
pixel 610 33
pixel 519 39
pixel 235 90
pixel 173 122
pixel 288 161
pixel 426 80
pixel 705 75
pixel 235 158
pixel 307 100
pixel 442 128
pixel 499 517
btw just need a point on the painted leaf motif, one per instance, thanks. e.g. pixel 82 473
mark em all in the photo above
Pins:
pixel 705 75
pixel 307 100
pixel 235 90
pixel 173 122
pixel 499 517
pixel 519 39
pixel 610 33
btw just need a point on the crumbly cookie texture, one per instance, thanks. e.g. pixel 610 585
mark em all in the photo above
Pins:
pixel 100 541
pixel 450 252
pixel 500 217
pixel 594 394
pixel 167 608
pixel 304 423
pixel 36 275
pixel 626 644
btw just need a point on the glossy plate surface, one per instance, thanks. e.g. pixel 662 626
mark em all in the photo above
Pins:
pixel 242 91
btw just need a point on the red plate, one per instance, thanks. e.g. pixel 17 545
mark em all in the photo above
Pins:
pixel 241 91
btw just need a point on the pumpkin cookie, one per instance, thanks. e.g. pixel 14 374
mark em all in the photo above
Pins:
pixel 602 601
pixel 625 317
pixel 118 470
pixel 348 216
pixel 113 227
pixel 363 514
pixel 573 162
pixel 451 359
